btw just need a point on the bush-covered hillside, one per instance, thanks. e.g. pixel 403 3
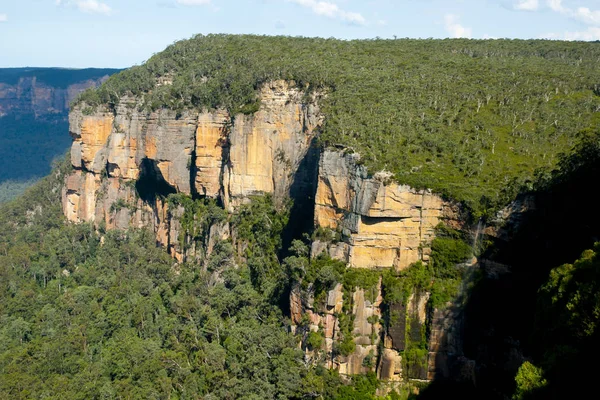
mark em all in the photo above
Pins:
pixel 470 119
pixel 89 314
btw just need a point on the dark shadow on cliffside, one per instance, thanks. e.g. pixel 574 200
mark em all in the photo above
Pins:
pixel 151 183
pixel 501 326
pixel 302 193
pixel 452 373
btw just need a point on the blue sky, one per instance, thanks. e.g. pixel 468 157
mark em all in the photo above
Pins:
pixel 120 33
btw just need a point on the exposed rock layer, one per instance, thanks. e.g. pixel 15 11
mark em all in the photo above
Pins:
pixel 122 154
pixel 127 160
pixel 382 224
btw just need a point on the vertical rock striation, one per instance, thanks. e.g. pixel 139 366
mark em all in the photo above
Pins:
pixel 127 160
pixel 373 223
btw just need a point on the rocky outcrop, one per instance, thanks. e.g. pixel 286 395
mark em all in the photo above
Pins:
pixel 370 222
pixel 366 332
pixel 510 219
pixel 126 161
pixel 383 224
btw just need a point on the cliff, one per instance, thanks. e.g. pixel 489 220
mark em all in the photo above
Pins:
pixel 374 224
pixel 128 161
pixel 379 277
pixel 383 224
pixel 134 158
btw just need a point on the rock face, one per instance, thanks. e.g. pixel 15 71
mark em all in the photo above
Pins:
pixel 444 343
pixel 126 162
pixel 366 331
pixel 382 224
pixel 122 154
pixel 369 222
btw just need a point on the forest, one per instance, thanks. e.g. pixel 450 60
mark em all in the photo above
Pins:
pixel 29 145
pixel 91 313
pixel 473 120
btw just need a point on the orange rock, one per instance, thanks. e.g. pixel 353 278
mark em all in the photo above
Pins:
pixel 384 224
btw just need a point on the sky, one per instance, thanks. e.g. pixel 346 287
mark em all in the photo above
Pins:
pixel 121 33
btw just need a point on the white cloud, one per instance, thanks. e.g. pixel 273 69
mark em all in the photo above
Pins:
pixel 582 14
pixel 332 10
pixel 87 6
pixel 556 5
pixel 455 29
pixel 193 2
pixel 592 33
pixel 527 5
pixel 3 17
pixel 588 16
pixel 94 7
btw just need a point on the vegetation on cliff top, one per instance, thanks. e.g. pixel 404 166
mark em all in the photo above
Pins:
pixel 470 119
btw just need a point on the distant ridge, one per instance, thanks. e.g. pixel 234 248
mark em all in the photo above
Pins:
pixel 34 105
pixel 54 76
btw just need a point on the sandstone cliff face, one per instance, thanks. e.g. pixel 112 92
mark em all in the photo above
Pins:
pixel 377 224
pixel 122 154
pixel 33 97
pixel 126 161
pixel 382 224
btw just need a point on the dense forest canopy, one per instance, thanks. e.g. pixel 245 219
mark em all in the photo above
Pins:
pixel 470 119
pixel 29 145
pixel 90 314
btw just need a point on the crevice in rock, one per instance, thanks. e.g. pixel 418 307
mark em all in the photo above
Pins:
pixel 302 192
pixel 225 162
pixel 110 168
pixel 366 220
pixel 193 168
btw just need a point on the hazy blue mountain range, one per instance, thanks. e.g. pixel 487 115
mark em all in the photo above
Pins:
pixel 34 105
